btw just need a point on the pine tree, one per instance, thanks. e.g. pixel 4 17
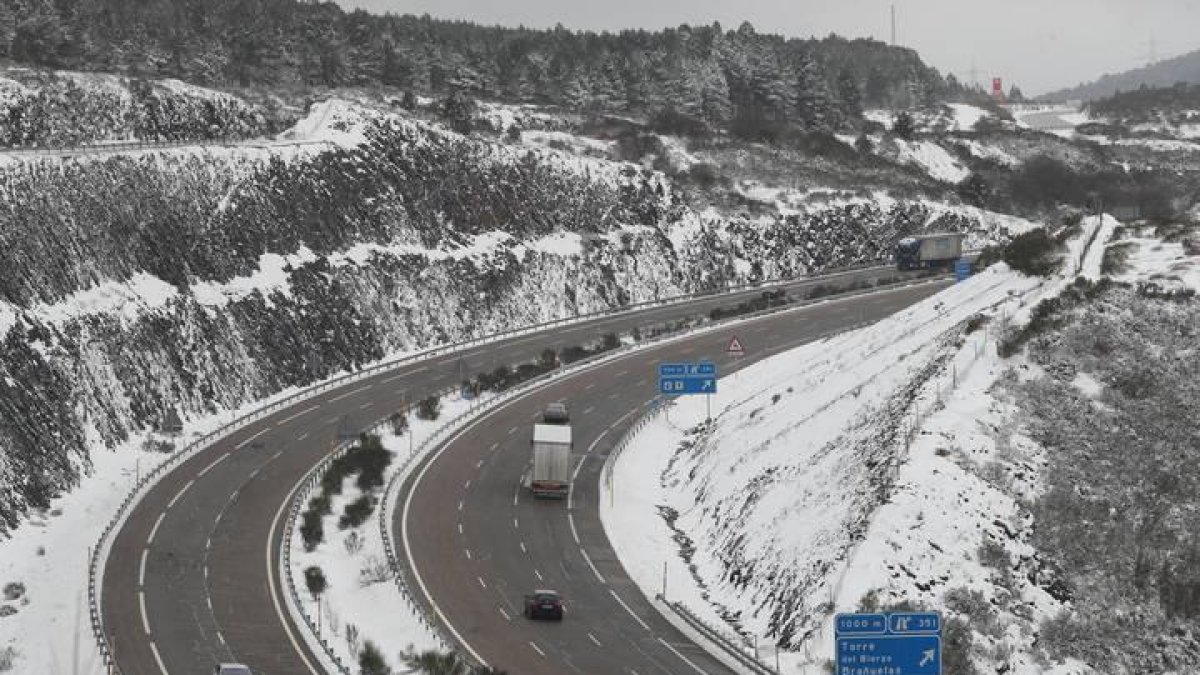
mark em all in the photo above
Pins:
pixel 814 104
pixel 370 660
pixel 714 93
pixel 878 89
pixel 849 95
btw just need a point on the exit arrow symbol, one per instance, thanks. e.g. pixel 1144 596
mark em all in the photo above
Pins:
pixel 928 656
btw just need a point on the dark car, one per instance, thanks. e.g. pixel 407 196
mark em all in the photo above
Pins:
pixel 544 605
pixel 556 413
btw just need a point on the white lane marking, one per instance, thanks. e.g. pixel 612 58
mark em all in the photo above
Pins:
pixel 574 532
pixel 294 416
pixel 627 609
pixel 208 543
pixel 537 574
pixel 523 548
pixel 158 658
pixel 495 445
pixel 210 466
pixel 460 528
pixel 588 409
pixel 614 395
pixel 233 496
pixel 241 445
pixel 622 373
pixel 270 560
pixel 467 485
pixel 595 571
pixel 516 495
pixel 537 648
pixel 643 382
pixel 468 552
pixel 180 493
pixel 142 568
pixel 504 614
pixel 460 505
pixel 208 599
pixel 349 393
pixel 302 436
pixel 589 385
pixel 516 525
pixel 481 582
pixel 479 464
pixel 154 530
pixel 683 658
pixel 366 405
pixel 594 640
pixel 221 637
pixel 512 431
pixel 534 416
pixel 145 618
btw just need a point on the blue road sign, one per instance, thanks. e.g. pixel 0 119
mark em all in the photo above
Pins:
pixel 914 622
pixel 687 378
pixel 962 269
pixel 915 654
pixel 899 643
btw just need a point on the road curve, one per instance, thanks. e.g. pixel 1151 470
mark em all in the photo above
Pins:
pixel 478 541
pixel 190 577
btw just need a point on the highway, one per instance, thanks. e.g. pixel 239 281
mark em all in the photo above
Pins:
pixel 479 541
pixel 191 576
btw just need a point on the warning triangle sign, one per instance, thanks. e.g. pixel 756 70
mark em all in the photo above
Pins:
pixel 735 347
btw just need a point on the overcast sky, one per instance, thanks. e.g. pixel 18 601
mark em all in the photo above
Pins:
pixel 1039 44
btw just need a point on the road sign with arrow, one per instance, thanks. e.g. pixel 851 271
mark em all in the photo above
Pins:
pixel 900 643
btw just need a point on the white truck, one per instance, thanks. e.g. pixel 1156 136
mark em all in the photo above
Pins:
pixel 929 250
pixel 551 460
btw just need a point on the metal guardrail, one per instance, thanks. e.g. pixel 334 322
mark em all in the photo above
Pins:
pixel 99 554
pixel 314 479
pixel 123 146
pixel 741 650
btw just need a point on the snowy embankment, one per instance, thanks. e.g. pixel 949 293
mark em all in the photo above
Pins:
pixel 353 561
pixel 852 472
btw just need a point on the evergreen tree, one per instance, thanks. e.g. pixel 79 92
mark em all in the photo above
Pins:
pixel 714 93
pixel 851 98
pixel 1015 95
pixel 878 89
pixel 370 660
pixel 814 106
pixel 904 126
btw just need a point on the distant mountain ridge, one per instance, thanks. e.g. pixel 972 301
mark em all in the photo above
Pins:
pixel 1184 68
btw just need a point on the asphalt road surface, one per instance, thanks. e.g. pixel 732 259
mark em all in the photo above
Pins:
pixel 480 541
pixel 191 577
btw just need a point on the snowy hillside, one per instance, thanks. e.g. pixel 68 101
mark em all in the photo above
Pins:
pixel 224 275
pixel 54 109
pixel 888 467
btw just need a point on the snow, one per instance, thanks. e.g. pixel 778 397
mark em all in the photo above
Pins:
pixel 190 90
pixel 579 145
pixel 348 601
pixel 933 158
pixel 271 277
pixel 989 152
pixel 677 153
pixel 334 121
pixel 142 293
pixel 1162 262
pixel 1095 254
pixel 51 631
pixel 795 426
pixel 965 116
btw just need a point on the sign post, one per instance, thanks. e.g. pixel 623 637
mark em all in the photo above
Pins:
pixel 897 643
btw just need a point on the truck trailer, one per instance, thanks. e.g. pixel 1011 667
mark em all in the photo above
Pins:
pixel 929 250
pixel 551 460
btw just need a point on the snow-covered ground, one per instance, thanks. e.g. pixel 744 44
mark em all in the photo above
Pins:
pixel 861 464
pixel 354 563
